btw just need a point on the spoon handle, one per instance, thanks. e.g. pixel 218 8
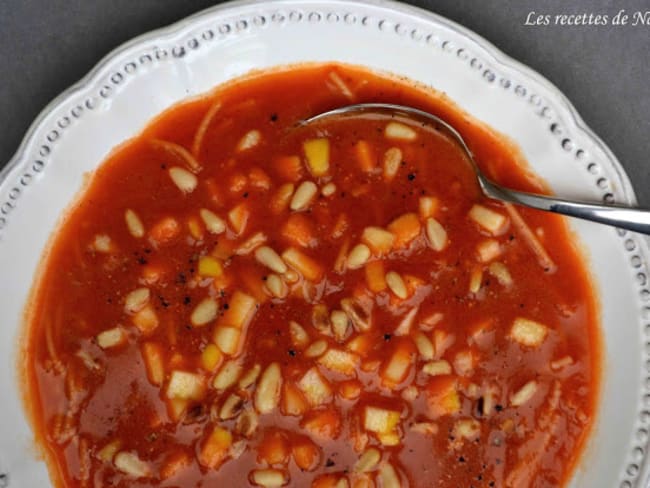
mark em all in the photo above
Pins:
pixel 634 219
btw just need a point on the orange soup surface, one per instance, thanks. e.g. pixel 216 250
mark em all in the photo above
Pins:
pixel 238 300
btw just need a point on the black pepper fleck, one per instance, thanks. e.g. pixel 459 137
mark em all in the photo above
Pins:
pixel 411 176
pixel 387 337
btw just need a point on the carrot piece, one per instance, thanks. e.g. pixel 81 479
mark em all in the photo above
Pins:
pixel 310 269
pixel 224 249
pixel 154 363
pixel 405 228
pixel 397 368
pixel 195 228
pixel 274 448
pixel 325 423
pixel 215 193
pixel 280 199
pixel 215 449
pixel 442 396
pixel 254 284
pixel 293 401
pixel 238 217
pixel 174 463
pixel 241 309
pixel 164 232
pixel 289 168
pixel 365 156
pixel 299 230
pixel 306 454
pixel 376 276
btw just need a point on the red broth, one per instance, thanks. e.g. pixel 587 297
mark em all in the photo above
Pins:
pixel 238 301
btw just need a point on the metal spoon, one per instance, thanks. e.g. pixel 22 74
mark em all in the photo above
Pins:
pixel 634 219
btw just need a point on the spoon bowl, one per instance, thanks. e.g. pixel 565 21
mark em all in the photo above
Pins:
pixel 634 219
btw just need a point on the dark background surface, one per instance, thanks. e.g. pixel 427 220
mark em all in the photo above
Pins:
pixel 47 45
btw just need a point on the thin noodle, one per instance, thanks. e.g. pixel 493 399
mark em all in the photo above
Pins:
pixel 522 474
pixel 203 127
pixel 179 151
pixel 543 258
pixel 340 84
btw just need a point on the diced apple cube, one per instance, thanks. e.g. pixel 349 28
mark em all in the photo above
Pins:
pixel 379 240
pixel 488 219
pixel 442 396
pixel 111 338
pixel 186 386
pixel 131 464
pixel 380 420
pixel 315 387
pixel 528 332
pixel 339 361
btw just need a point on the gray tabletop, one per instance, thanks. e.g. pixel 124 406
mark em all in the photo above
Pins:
pixel 604 70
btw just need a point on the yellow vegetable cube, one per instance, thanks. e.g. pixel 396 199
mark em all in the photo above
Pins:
pixel 317 152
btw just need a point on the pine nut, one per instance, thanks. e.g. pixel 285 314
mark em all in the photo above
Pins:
pixel 267 394
pixel 392 160
pixel 250 377
pixel 136 300
pixel 328 190
pixel 396 284
pixel 388 476
pixel 131 464
pixel 358 256
pixel 183 179
pixel 231 407
pixel 303 196
pixel 269 258
pixel 276 287
pixel 340 324
pixel 227 375
pixel 299 336
pixel 213 223
pixel 205 312
pixel 368 460
pixel 436 234
pixel 401 132
pixel 249 140
pixel 316 349
pixel 134 224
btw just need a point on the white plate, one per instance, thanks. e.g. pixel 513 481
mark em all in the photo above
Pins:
pixel 147 75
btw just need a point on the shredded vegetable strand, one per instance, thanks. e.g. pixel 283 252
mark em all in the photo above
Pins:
pixel 529 237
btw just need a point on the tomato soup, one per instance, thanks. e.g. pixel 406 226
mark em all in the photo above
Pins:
pixel 237 300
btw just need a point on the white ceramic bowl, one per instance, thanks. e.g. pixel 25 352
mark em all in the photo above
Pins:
pixel 142 78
